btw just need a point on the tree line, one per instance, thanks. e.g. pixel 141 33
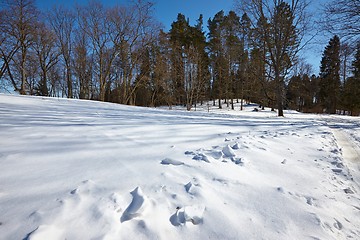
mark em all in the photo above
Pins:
pixel 121 54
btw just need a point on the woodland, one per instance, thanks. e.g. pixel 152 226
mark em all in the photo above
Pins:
pixel 122 54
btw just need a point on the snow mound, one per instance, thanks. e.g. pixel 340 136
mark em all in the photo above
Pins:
pixel 137 205
pixel 228 151
pixel 192 214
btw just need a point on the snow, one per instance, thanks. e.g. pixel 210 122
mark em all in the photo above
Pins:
pixel 73 169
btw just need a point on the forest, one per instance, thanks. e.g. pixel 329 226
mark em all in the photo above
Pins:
pixel 122 54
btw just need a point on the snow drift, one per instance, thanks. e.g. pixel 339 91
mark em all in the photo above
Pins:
pixel 73 169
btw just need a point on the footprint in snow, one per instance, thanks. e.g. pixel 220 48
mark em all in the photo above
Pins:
pixel 217 154
pixel 169 161
pixel 201 157
pixel 236 146
pixel 338 225
pixel 193 188
pixel 193 214
pixel 228 151
pixel 86 187
pixel 136 207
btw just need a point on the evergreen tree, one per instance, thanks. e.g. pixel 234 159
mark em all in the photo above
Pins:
pixel 233 52
pixel 299 94
pixel 218 61
pixel 280 26
pixel 351 95
pixel 189 60
pixel 330 76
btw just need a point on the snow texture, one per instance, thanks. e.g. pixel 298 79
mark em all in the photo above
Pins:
pixel 73 169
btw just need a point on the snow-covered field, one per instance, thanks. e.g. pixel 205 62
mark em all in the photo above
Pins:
pixel 72 169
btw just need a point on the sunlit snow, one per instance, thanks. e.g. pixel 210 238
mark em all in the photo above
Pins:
pixel 73 169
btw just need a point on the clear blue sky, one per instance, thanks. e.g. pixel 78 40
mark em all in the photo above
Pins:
pixel 166 11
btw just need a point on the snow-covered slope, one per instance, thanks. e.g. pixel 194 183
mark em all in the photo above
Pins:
pixel 74 169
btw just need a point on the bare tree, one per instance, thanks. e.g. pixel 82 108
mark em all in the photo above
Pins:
pixel 94 22
pixel 19 18
pixel 7 50
pixel 281 26
pixel 346 52
pixel 132 30
pixel 342 17
pixel 63 23
pixel 47 55
pixel 82 64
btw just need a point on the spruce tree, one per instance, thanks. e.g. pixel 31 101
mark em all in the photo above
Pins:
pixel 330 76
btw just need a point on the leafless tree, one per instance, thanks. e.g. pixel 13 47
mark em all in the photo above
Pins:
pixel 19 18
pixel 47 55
pixel 132 30
pixel 281 26
pixel 82 64
pixel 94 22
pixel 62 21
pixel 342 17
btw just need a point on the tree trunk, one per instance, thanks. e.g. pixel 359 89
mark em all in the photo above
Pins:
pixel 279 93
pixel 68 80
pixel 23 71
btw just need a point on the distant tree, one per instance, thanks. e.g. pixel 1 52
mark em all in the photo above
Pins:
pixel 281 26
pixel 342 17
pixel 19 18
pixel 330 76
pixel 62 21
pixel 95 23
pixel 351 94
pixel 180 42
pixel 164 82
pixel 346 52
pixel 244 70
pixel 82 64
pixel 132 31
pixel 256 85
pixel 188 59
pixel 217 56
pixel 47 56
pixel 299 93
pixel 234 53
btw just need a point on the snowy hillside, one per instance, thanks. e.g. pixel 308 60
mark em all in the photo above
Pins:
pixel 74 169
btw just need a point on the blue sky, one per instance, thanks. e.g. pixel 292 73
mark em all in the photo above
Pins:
pixel 166 12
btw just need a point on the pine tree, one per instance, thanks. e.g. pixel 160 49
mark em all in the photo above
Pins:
pixel 351 95
pixel 188 59
pixel 233 51
pixel 280 26
pixel 218 61
pixel 330 76
pixel 243 73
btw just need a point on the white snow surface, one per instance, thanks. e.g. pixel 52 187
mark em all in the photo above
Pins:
pixel 73 169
